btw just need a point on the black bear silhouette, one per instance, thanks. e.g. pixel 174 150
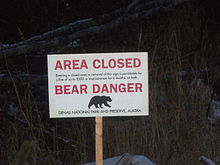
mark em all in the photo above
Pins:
pixel 97 101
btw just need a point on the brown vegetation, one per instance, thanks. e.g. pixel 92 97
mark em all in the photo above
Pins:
pixel 175 132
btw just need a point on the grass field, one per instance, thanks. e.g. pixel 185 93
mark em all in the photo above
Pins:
pixel 175 133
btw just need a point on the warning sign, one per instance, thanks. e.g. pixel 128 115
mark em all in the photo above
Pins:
pixel 102 84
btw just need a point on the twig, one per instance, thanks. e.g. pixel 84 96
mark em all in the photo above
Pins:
pixel 206 161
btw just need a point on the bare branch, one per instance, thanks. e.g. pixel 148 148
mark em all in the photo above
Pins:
pixel 66 34
pixel 206 161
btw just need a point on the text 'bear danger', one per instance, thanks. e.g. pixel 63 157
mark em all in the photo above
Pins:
pixel 98 88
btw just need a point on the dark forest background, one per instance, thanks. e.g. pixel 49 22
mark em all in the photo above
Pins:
pixel 183 46
pixel 33 17
pixel 38 16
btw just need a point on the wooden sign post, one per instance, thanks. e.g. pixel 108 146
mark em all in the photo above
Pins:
pixel 98 140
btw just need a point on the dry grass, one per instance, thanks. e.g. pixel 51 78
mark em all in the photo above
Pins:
pixel 176 131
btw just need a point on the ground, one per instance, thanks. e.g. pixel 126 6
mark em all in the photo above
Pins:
pixel 176 131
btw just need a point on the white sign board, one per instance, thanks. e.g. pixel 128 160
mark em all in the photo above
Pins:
pixel 102 84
